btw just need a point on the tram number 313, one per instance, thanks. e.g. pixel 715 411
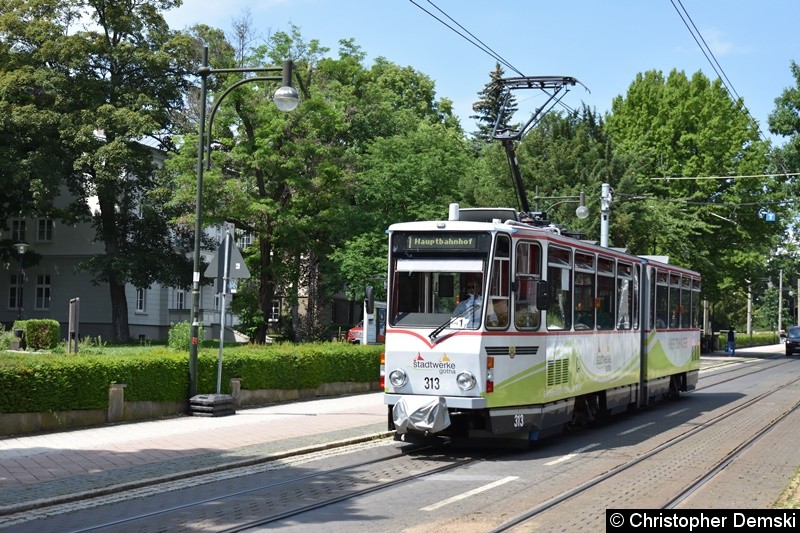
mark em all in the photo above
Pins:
pixel 432 383
pixel 519 420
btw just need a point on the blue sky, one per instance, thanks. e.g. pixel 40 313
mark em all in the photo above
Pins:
pixel 602 43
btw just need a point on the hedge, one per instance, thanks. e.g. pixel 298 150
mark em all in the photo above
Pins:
pixel 40 382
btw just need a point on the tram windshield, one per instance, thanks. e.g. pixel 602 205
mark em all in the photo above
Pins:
pixel 438 281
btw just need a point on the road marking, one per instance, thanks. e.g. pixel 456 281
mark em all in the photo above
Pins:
pixel 469 493
pixel 571 455
pixel 679 411
pixel 637 428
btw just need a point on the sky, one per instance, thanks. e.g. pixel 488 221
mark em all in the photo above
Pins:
pixel 602 43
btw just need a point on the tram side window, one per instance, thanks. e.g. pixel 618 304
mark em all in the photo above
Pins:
pixel 686 302
pixel 584 291
pixel 624 296
pixel 497 310
pixel 559 314
pixel 662 301
pixel 674 300
pixel 635 311
pixel 605 293
pixel 694 313
pixel 651 299
pixel 526 314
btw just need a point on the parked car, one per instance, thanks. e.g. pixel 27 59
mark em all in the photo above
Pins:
pixel 793 340
pixel 355 333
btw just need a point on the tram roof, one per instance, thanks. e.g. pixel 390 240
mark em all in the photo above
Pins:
pixel 549 233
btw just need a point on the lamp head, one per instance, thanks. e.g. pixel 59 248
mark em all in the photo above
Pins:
pixel 286 98
pixel 21 247
pixel 582 212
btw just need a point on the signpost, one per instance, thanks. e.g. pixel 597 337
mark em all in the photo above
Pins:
pixel 227 264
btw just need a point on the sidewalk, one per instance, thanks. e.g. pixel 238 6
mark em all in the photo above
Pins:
pixel 65 466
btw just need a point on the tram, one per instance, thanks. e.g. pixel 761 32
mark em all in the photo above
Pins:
pixel 560 331
pixel 502 325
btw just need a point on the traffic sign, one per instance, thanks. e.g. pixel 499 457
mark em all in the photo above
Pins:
pixel 233 268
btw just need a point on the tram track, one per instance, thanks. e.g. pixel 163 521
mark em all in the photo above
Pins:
pixel 359 479
pixel 265 502
pixel 334 486
pixel 604 484
pixel 737 370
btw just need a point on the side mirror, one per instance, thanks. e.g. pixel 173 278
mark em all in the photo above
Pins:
pixel 543 295
pixel 369 301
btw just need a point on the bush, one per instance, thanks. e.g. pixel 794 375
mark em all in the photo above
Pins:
pixel 55 382
pixel 6 338
pixel 41 334
pixel 180 336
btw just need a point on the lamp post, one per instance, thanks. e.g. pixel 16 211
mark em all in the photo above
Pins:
pixel 21 247
pixel 780 301
pixel 286 99
pixel 605 213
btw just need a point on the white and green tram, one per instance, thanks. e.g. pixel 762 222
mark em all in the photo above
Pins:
pixel 564 331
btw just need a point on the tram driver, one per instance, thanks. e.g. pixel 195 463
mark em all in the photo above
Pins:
pixel 470 305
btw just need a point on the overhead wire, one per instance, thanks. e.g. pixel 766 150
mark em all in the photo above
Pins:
pixel 706 49
pixel 735 177
pixel 703 45
pixel 475 41
pixel 472 39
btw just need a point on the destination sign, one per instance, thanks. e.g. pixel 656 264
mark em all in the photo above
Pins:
pixel 442 242
pixel 449 242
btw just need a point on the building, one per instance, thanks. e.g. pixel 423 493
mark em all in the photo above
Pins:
pixel 45 289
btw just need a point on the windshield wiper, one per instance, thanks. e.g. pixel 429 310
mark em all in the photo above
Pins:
pixel 435 333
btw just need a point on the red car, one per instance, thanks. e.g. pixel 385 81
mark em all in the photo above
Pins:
pixel 355 333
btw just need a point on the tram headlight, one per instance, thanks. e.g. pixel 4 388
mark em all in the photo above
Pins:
pixel 397 378
pixel 466 381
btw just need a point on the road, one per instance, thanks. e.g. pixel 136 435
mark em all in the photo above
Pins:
pixel 730 444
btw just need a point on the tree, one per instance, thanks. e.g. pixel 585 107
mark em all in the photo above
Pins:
pixel 679 127
pixel 785 121
pixel 292 180
pixel 487 108
pixel 105 89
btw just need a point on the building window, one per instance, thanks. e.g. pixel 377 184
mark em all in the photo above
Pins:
pixel 140 300
pixel 275 311
pixel 43 291
pixel 180 299
pixel 44 230
pixel 18 230
pixel 243 239
pixel 14 292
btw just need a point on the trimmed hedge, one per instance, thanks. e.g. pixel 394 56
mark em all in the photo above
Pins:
pixel 49 382
pixel 39 334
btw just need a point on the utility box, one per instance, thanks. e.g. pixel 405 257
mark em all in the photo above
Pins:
pixel 375 325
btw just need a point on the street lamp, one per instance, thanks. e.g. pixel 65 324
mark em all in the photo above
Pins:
pixel 581 211
pixel 286 99
pixel 21 247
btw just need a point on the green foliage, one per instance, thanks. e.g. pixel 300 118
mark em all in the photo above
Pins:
pixel 46 382
pixel 6 338
pixel 92 345
pixel 785 121
pixel 689 127
pixel 488 107
pixel 40 334
pixel 125 75
pixel 180 336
